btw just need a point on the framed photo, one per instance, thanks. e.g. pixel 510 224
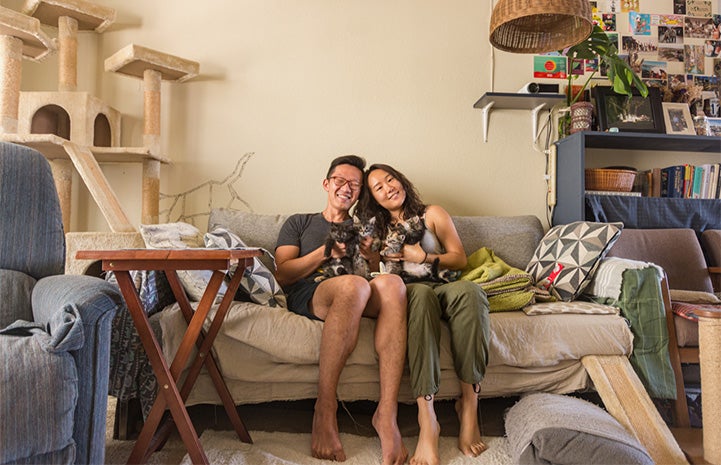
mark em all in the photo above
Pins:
pixel 629 113
pixel 677 117
pixel 713 127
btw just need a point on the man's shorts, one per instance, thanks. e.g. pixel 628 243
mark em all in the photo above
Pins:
pixel 299 296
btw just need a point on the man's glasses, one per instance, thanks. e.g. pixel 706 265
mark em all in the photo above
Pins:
pixel 340 182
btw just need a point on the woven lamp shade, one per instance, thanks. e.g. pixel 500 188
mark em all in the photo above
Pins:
pixel 539 26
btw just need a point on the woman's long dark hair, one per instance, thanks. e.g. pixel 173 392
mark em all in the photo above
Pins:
pixel 368 207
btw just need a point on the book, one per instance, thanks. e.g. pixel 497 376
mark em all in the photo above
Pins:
pixel 656 182
pixel 697 184
pixel 673 177
pixel 688 180
pixel 713 181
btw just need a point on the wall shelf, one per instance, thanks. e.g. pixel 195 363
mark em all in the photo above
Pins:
pixel 512 101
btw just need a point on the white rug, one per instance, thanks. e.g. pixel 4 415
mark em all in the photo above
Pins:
pixel 224 448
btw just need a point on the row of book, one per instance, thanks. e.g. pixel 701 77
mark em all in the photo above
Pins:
pixel 681 181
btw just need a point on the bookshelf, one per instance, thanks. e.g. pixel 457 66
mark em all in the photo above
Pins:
pixel 572 155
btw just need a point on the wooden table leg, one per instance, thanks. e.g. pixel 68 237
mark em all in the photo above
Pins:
pixel 205 355
pixel 168 390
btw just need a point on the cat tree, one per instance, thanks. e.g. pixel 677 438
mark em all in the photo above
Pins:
pixel 74 129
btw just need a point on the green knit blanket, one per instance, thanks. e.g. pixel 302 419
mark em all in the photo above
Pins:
pixel 507 288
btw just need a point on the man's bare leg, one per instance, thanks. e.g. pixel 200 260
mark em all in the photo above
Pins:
pixel 430 431
pixel 339 301
pixel 469 436
pixel 389 305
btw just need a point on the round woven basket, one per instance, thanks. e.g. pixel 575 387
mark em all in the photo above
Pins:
pixel 608 179
pixel 523 26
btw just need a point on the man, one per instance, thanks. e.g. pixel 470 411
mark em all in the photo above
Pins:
pixel 340 302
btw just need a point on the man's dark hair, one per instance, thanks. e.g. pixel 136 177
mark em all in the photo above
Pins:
pixel 353 160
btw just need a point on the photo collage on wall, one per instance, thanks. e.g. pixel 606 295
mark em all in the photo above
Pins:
pixel 681 45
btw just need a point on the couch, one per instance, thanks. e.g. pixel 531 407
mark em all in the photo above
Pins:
pixel 54 328
pixel 270 354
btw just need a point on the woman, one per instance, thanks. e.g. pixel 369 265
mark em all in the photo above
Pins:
pixel 390 198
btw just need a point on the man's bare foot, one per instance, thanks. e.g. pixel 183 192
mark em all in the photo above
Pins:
pixel 469 436
pixel 392 447
pixel 325 440
pixel 426 452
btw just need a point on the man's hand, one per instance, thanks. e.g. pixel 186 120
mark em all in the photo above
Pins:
pixel 338 250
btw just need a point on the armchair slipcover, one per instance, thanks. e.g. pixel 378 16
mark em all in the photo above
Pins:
pixel 54 328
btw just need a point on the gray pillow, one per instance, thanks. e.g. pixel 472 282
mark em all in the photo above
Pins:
pixel 555 429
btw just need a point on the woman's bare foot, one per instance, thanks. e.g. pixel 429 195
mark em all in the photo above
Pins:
pixel 325 440
pixel 426 452
pixel 469 436
pixel 392 448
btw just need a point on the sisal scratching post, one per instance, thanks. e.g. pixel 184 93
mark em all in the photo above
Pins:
pixel 709 334
pixel 68 54
pixel 151 192
pixel 151 139
pixel 10 78
pixel 151 110
pixel 63 176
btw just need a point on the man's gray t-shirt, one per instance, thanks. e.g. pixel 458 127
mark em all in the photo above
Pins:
pixel 307 231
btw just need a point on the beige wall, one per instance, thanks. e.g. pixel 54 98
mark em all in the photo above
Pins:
pixel 299 82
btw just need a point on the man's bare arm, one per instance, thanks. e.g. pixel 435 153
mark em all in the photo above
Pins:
pixel 291 268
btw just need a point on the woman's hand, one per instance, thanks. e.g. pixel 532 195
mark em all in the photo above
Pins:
pixel 414 253
pixel 366 250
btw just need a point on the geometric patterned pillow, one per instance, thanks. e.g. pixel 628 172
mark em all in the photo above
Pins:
pixel 568 255
pixel 258 281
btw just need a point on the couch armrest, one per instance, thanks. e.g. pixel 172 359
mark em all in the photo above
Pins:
pixel 96 301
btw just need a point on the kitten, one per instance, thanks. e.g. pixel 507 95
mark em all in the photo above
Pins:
pixel 349 233
pixel 411 232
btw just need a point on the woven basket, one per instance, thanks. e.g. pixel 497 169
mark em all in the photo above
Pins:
pixel 607 179
pixel 523 26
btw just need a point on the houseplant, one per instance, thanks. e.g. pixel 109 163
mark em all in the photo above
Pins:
pixel 599 46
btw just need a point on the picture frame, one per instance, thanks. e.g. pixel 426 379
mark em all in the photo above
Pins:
pixel 677 118
pixel 632 113
pixel 713 127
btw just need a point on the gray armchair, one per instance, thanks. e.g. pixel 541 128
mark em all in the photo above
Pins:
pixel 54 328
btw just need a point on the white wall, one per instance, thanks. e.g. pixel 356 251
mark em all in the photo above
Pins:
pixel 300 82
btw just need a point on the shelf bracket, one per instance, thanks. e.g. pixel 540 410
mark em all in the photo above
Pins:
pixel 534 121
pixel 484 114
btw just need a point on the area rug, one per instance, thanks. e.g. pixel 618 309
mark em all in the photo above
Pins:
pixel 224 448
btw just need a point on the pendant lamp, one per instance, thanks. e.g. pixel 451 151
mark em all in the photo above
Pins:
pixel 539 26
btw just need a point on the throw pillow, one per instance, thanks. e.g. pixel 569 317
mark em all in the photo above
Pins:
pixel 568 255
pixel 181 236
pixel 258 281
pixel 577 306
pixel 551 428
